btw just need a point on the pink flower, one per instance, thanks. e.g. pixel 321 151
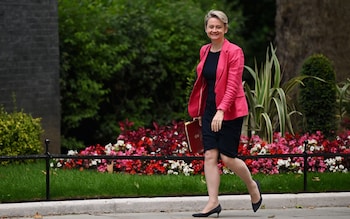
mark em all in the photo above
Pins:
pixel 171 141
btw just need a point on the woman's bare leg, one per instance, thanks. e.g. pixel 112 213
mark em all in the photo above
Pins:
pixel 241 170
pixel 212 177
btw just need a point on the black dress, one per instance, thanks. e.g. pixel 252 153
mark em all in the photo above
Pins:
pixel 227 139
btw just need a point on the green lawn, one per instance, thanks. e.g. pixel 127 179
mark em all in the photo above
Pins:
pixel 26 182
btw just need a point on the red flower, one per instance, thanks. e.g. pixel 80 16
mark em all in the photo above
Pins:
pixel 169 141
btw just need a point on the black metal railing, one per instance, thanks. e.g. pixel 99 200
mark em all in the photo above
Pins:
pixel 47 156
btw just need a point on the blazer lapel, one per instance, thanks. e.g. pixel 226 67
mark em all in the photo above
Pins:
pixel 202 59
pixel 222 63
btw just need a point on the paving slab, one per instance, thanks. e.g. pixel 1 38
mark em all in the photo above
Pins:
pixel 273 206
pixel 307 213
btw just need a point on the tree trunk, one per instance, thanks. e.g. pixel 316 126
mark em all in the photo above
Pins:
pixel 306 27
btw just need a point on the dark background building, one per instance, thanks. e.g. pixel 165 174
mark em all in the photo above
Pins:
pixel 29 62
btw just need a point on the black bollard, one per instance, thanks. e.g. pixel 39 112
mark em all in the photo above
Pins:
pixel 47 141
pixel 306 165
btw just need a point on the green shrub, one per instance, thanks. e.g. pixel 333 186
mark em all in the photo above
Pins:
pixel 317 99
pixel 19 134
pixel 128 60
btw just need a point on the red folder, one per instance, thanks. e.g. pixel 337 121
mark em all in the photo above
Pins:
pixel 194 136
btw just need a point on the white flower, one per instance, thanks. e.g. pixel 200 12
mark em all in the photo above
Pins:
pixel 284 162
pixel 72 152
pixel 109 148
pixel 174 165
pixel 93 163
pixel 182 150
pixel 128 146
pixel 312 141
pixel 280 162
pixel 120 143
pixel 187 170
pixel 301 148
pixel 263 151
pixel 330 161
pixel 338 158
pixel 172 172
pixel 252 150
pixel 180 166
pixel 297 164
pixel 226 170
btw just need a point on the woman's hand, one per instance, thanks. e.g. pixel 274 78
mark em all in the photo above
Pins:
pixel 216 123
pixel 199 119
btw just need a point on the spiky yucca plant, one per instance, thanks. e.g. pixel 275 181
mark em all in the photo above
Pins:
pixel 343 100
pixel 269 108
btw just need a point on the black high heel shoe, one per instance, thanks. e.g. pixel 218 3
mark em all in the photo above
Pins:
pixel 215 210
pixel 257 205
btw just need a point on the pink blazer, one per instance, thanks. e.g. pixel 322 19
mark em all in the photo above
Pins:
pixel 229 91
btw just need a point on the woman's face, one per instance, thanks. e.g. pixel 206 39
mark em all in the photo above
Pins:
pixel 215 29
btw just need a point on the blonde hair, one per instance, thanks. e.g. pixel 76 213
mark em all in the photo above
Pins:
pixel 216 14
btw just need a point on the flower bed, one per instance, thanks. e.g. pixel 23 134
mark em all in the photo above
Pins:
pixel 171 141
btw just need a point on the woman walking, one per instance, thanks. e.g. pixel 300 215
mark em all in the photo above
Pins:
pixel 218 101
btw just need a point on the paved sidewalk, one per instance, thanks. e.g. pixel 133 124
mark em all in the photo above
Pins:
pixel 305 213
pixel 183 207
